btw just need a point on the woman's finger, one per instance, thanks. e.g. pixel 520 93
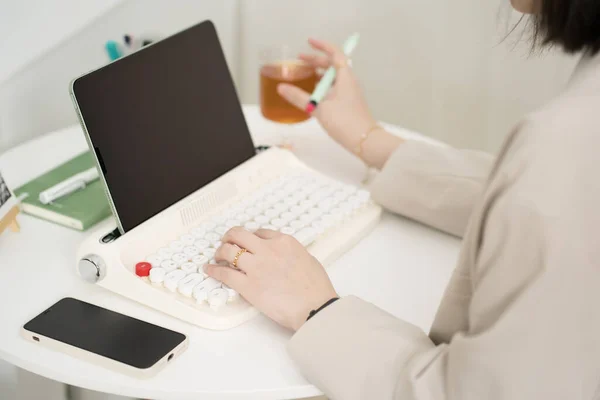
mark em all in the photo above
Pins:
pixel 293 95
pixel 242 238
pixel 228 252
pixel 315 61
pixel 267 234
pixel 233 278
pixel 335 54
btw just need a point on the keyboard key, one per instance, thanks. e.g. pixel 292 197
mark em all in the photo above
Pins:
pixel 326 204
pixel 297 210
pixel 233 295
pixel 290 201
pixel 337 213
pixel 217 244
pixel 217 298
pixel 355 202
pixel 180 258
pixel 308 203
pixel 200 260
pixel 346 208
pixel 177 245
pixel 165 252
pixel 232 222
pixel 328 220
pixel 187 239
pixel 262 219
pixel 252 226
pixel 269 227
pixel 237 209
pixel 189 267
pixel 218 220
pixel 340 195
pixel 191 251
pixel 278 222
pixel 208 226
pixel 306 236
pixel 202 244
pixel 253 211
pixel 363 195
pixel 315 212
pixel 143 268
pixel 200 294
pixel 271 213
pixel 186 285
pixel 319 226
pixel 221 230
pixel 297 225
pixel 209 253
pixel 280 207
pixel 261 205
pixel 243 218
pixel 306 218
pixel 287 230
pixel 155 260
pixel 247 202
pixel 212 237
pixel 172 279
pixel 168 265
pixel 157 275
pixel 202 290
pixel 198 233
pixel 271 199
pixel 280 194
pixel 287 216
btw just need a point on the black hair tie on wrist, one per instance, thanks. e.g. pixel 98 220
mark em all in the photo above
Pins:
pixel 314 312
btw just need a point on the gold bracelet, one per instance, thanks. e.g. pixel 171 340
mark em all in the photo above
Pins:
pixel 363 138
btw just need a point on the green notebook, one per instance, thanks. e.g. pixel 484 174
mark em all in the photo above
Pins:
pixel 78 210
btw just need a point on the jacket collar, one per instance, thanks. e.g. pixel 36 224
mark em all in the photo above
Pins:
pixel 586 74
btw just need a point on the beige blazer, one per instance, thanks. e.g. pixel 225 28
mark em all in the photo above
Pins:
pixel 520 318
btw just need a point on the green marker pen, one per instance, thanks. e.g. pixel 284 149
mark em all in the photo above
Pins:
pixel 327 80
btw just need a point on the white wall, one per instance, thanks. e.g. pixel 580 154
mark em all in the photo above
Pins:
pixel 35 99
pixel 435 66
pixel 21 23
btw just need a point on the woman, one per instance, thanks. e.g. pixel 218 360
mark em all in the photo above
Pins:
pixel 520 318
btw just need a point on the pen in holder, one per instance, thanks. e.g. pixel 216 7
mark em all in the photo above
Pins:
pixel 9 208
pixel 129 44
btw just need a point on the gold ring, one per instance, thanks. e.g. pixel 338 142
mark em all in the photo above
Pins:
pixel 237 257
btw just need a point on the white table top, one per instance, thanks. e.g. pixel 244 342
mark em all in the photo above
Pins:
pixel 401 266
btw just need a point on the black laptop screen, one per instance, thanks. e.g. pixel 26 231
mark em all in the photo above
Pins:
pixel 164 122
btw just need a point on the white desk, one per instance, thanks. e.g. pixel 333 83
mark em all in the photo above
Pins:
pixel 402 267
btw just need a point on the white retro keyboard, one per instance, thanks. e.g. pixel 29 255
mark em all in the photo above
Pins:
pixel 161 262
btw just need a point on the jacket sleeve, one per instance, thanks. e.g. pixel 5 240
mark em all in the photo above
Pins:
pixel 533 325
pixel 434 184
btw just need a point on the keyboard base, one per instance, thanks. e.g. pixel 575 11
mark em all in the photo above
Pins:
pixel 119 256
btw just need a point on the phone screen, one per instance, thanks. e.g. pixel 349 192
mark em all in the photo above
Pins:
pixel 105 333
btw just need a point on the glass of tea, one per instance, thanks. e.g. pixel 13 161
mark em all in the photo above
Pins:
pixel 279 64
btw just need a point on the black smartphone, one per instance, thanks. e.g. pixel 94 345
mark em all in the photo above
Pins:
pixel 105 337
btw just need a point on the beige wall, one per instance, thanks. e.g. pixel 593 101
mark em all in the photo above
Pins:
pixel 436 66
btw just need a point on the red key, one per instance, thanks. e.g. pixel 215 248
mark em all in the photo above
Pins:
pixel 143 268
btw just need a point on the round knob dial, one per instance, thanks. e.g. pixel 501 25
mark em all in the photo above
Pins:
pixel 92 268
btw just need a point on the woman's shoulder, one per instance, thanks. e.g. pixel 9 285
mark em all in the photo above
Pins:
pixel 552 155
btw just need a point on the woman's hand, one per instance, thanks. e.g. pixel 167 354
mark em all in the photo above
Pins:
pixel 344 113
pixel 276 275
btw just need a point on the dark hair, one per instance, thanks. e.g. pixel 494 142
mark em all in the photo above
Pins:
pixel 572 24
